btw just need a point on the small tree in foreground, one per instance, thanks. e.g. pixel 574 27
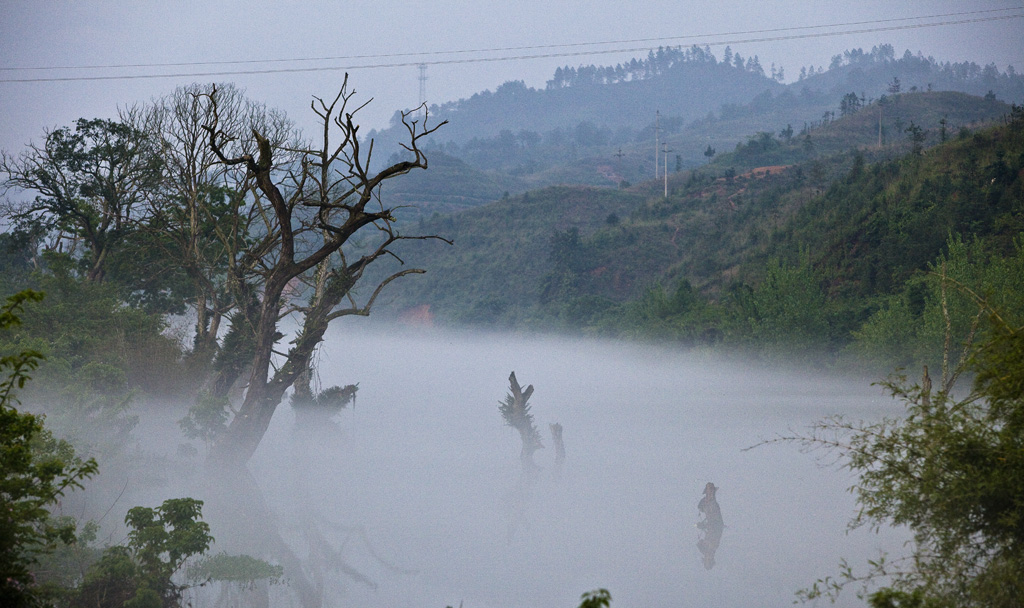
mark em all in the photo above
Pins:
pixel 952 471
pixel 35 471
pixel 139 575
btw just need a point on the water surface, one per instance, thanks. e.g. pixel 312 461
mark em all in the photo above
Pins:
pixel 417 484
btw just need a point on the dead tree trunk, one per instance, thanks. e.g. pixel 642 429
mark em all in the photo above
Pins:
pixel 516 412
pixel 329 201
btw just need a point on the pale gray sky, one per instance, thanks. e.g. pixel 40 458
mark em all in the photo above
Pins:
pixel 40 33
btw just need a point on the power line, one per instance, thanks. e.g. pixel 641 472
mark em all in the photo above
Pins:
pixel 501 49
pixel 515 57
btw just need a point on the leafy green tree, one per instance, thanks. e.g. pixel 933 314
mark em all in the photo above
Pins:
pixel 89 183
pixel 17 258
pixel 102 356
pixel 680 314
pixel 786 312
pixel 787 133
pixel 850 104
pixel 952 471
pixel 140 574
pixel 35 471
pixel 162 539
pixel 911 328
pixel 916 136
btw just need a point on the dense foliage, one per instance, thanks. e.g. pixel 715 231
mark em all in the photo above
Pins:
pixel 36 469
pixel 950 469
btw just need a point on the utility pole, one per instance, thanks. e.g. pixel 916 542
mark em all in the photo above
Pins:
pixel 657 127
pixel 879 124
pixel 666 151
pixel 618 165
pixel 423 83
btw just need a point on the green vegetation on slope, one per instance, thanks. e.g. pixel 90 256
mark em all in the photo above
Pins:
pixel 497 261
pixel 797 255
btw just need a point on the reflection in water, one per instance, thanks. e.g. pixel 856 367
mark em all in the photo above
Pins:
pixel 711 526
pixel 426 466
pixel 556 441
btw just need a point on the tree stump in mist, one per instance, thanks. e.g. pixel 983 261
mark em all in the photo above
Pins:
pixel 516 412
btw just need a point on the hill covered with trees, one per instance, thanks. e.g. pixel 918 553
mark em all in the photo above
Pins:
pixel 596 125
pixel 857 224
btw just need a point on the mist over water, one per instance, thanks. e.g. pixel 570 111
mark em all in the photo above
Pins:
pixel 417 483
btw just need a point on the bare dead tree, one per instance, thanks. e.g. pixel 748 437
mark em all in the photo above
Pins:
pixel 309 211
pixel 516 412
pixel 200 218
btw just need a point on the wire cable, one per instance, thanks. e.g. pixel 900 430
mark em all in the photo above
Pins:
pixel 500 49
pixel 513 57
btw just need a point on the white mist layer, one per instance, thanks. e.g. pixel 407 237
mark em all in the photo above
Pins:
pixel 424 466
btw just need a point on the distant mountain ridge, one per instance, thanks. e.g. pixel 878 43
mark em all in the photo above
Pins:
pixel 613 97
pixel 688 83
pixel 595 125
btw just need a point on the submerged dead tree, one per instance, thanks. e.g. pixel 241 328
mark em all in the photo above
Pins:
pixel 516 412
pixel 309 209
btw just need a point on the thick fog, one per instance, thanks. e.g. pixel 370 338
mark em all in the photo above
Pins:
pixel 419 485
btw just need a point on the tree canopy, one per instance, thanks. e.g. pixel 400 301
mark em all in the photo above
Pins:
pixel 951 470
pixel 36 470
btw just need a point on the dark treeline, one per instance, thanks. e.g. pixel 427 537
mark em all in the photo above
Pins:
pixel 657 63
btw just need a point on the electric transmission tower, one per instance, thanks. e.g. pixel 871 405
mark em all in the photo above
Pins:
pixel 423 83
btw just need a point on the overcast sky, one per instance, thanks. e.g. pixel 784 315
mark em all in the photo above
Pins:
pixel 49 34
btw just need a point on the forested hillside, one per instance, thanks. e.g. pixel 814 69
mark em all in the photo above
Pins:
pixel 596 125
pixel 856 224
pixel 623 96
